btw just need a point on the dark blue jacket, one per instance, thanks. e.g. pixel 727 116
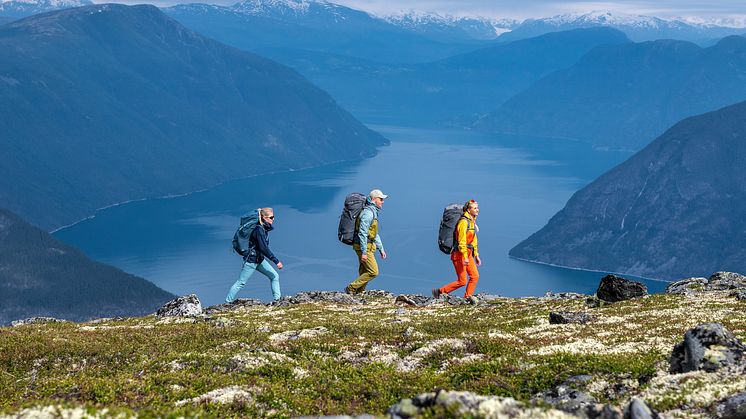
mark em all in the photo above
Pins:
pixel 259 245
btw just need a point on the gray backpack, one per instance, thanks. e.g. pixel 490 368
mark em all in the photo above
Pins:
pixel 354 204
pixel 447 231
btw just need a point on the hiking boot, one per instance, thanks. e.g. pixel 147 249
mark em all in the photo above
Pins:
pixel 472 300
pixel 349 290
pixel 436 293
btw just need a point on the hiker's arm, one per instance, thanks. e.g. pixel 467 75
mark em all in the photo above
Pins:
pixel 379 243
pixel 263 246
pixel 366 217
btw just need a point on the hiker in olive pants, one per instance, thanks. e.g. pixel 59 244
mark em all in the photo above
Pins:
pixel 366 241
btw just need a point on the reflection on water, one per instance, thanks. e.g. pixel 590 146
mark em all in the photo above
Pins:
pixel 183 244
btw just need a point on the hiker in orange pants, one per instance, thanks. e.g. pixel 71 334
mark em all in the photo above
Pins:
pixel 465 256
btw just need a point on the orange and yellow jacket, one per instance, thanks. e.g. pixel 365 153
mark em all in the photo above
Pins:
pixel 466 235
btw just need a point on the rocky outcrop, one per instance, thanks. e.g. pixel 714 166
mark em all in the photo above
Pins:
pixel 37 320
pixel 185 306
pixel 707 347
pixel 733 407
pixel 565 317
pixel 614 288
pixel 719 281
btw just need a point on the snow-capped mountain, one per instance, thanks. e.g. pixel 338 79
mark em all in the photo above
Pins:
pixel 435 25
pixel 22 8
pixel 637 27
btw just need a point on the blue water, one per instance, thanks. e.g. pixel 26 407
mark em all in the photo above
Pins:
pixel 182 244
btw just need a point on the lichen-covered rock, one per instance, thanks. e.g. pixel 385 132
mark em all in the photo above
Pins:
pixel 565 317
pixel 615 288
pixel 320 296
pixel 707 347
pixel 468 404
pixel 687 286
pixel 37 320
pixel 185 306
pixel 726 281
pixel 719 281
pixel 733 407
pixel 739 294
pixel 414 300
pixel 298 334
pixel 564 296
pixel 566 398
pixel 638 409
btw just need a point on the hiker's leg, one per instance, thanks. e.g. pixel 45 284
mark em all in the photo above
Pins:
pixel 460 281
pixel 368 270
pixel 274 278
pixel 246 271
pixel 471 269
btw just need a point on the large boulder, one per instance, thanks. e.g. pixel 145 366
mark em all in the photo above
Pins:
pixel 707 347
pixel 615 288
pixel 185 306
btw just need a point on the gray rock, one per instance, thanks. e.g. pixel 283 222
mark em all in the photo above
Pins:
pixel 414 300
pixel 565 398
pixel 718 281
pixel 236 304
pixel 565 317
pixel 726 281
pixel 687 286
pixel 638 409
pixel 600 411
pixel 564 296
pixel 37 320
pixel 707 347
pixel 614 288
pixel 321 296
pixel 185 306
pixel 733 407
pixel 739 294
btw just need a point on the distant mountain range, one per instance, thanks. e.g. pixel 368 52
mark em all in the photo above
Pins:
pixel 108 103
pixel 317 26
pixel 451 91
pixel 625 95
pixel 41 276
pixel 637 28
pixel 22 8
pixel 673 210
pixel 449 28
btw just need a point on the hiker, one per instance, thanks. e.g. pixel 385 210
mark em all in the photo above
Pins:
pixel 465 253
pixel 366 241
pixel 255 257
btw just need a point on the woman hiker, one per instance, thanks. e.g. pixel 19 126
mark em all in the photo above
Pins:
pixel 257 255
pixel 465 255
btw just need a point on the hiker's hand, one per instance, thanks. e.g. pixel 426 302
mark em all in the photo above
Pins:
pixel 383 254
pixel 466 261
pixel 279 265
pixel 479 260
pixel 364 257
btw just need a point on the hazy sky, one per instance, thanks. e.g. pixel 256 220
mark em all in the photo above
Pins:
pixel 521 9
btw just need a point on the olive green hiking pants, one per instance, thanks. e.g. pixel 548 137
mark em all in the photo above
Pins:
pixel 367 271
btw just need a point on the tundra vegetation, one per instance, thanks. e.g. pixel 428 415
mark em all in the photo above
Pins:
pixel 364 354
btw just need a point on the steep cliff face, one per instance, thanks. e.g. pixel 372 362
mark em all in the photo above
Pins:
pixel 675 209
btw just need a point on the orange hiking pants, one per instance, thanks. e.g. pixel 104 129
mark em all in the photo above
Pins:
pixel 461 272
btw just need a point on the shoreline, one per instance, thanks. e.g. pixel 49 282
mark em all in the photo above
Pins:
pixel 588 270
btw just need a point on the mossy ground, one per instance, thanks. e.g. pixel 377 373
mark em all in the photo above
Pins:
pixel 361 358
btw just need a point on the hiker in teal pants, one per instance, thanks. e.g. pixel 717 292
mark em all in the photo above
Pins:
pixel 257 256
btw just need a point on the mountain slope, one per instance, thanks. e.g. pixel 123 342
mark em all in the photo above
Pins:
pixel 447 91
pixel 110 103
pixel 624 95
pixel 41 276
pixel 637 28
pixel 673 210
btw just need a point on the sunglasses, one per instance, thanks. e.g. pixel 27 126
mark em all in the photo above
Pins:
pixel 271 217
